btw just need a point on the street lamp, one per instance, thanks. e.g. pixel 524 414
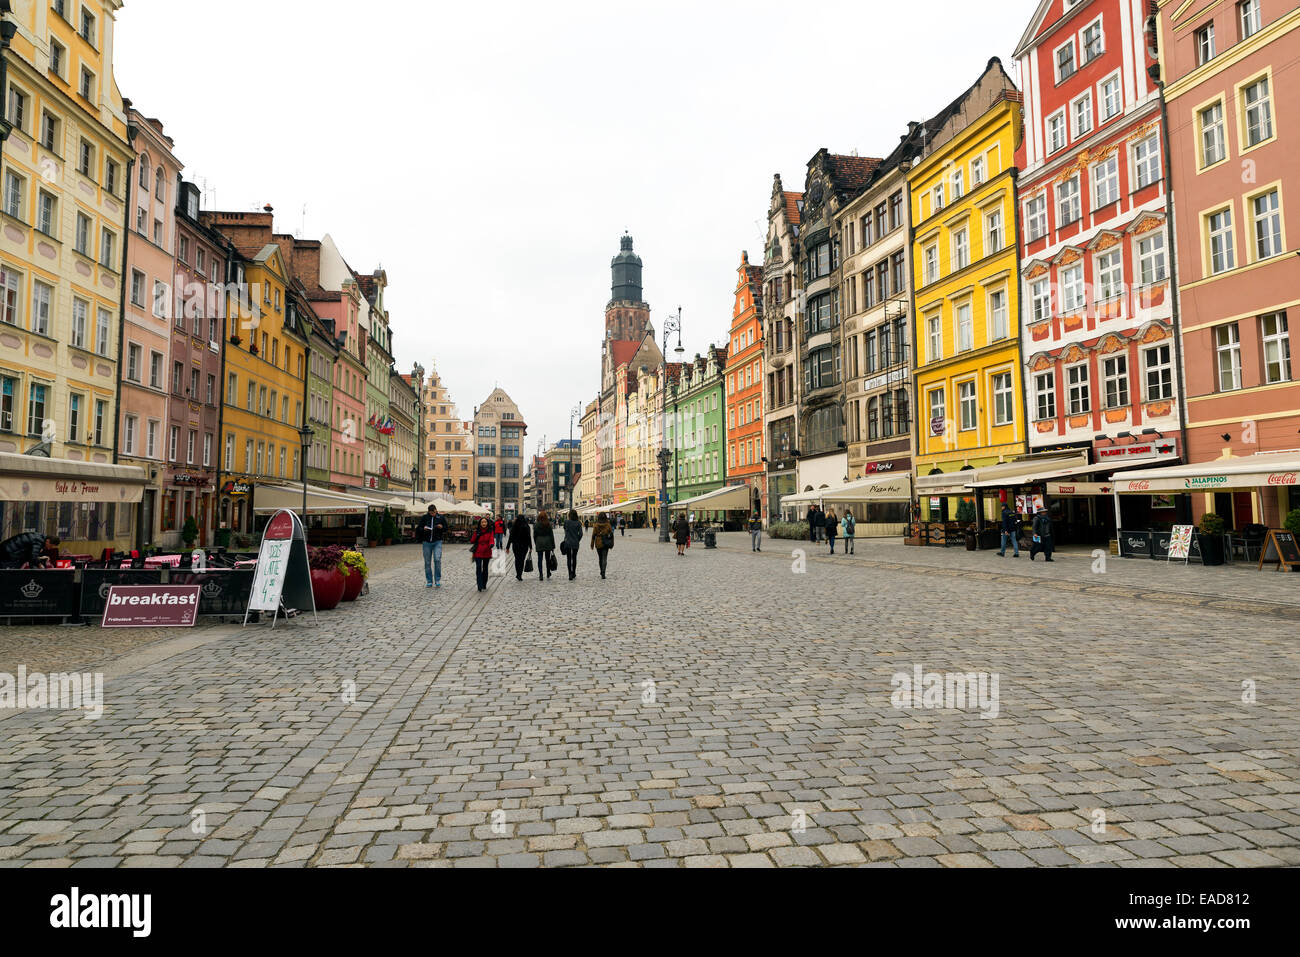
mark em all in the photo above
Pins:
pixel 305 436
pixel 415 475
pixel 574 413
pixel 665 457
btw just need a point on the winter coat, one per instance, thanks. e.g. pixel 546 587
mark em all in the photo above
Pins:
pixel 432 528
pixel 1010 522
pixel 544 538
pixel 1043 525
pixel 573 534
pixel 482 542
pixel 602 536
pixel 682 531
pixel 755 524
pixel 832 526
pixel 850 525
pixel 521 539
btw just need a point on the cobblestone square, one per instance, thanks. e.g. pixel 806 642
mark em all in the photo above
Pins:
pixel 722 709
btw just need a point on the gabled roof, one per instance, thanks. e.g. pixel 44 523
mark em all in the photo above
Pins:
pixel 623 351
pixel 850 174
pixel 794 208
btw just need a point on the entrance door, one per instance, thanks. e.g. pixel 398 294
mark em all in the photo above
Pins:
pixel 1243 513
pixel 147 509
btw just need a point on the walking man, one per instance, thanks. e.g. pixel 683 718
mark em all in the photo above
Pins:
pixel 1042 535
pixel 1010 530
pixel 812 523
pixel 756 533
pixel 430 533
pixel 622 526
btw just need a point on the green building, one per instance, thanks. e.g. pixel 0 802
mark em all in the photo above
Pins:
pixel 697 432
pixel 323 353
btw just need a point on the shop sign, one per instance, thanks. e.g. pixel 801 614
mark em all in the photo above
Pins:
pixel 1284 478
pixel 1163 449
pixel 936 426
pixel 236 488
pixel 1206 481
pixel 283 576
pixel 151 606
pixel 876 467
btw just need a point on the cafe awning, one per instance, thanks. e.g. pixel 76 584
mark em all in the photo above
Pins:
pixel 1030 471
pixel 633 505
pixel 320 501
pixel 36 479
pixel 894 488
pixel 729 498
pixel 1277 469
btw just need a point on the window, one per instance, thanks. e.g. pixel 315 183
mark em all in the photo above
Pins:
pixel 1004 408
pixel 1093 41
pixel 934 332
pixel 1105 183
pixel 1227 347
pixel 79 311
pixel 10 283
pixel 996 237
pixel 1222 257
pixel 960 250
pixel 58 57
pixel 1277 348
pixel 42 297
pixel 1248 18
pixel 229 465
pixel 134 361
pixel 87 26
pixel 151 439
pixel 161 296
pixel 8 389
pixel 1055 132
pixel 1160 373
pixel 1110 275
pixel 184 249
pixel 1072 293
pixel 931 264
pixel 36 397
pixel 173 445
pixel 896 210
pixel 74 418
pixel 15 190
pixel 1040 297
pixel 1258 112
pixel 1077 380
pixel 1146 161
pixel 977 171
pixel 1065 61
pixel 1214 146
pixel 937 413
pixel 155 370
pixel 1268 225
pixel 965 328
pixel 130 423
pixel 937 197
pixel 1083 115
pixel 1151 258
pixel 1036 217
pixel 49 131
pixel 81 242
pixel 110 176
pixel 958 184
pixel 966 404
pixel 137 288
pixel 108 250
pixel 1114 380
pixel 189 447
pixel 873 419
pixel 87 84
pixel 1045 395
pixel 211 393
pixel 1067 202
pixel 887 415
pixel 999 326
pixel 17 114
pixel 46 218
pixel 1110 98
pixel 86 158
pixel 1204 40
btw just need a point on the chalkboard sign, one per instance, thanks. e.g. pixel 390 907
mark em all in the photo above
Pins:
pixel 283 576
pixel 1281 547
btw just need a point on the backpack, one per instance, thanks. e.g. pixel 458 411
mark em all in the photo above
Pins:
pixel 849 524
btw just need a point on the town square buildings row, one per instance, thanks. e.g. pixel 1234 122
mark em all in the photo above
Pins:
pixel 1057 288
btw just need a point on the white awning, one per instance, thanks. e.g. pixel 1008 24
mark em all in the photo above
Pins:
pixel 1078 489
pixel 894 488
pixel 1276 469
pixel 804 498
pixel 1030 471
pixel 634 505
pixel 320 501
pixel 33 478
pixel 726 499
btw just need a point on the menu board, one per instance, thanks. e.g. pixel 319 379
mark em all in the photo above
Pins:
pixel 1180 543
pixel 283 575
pixel 1281 547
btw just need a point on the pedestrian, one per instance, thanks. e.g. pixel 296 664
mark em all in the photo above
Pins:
pixel 832 526
pixel 756 532
pixel 819 522
pixel 850 526
pixel 521 543
pixel 430 533
pixel 622 526
pixel 602 540
pixel 1010 531
pixel 480 544
pixel 812 523
pixel 500 529
pixel 544 542
pixel 681 533
pixel 572 539
pixel 655 522
pixel 1042 535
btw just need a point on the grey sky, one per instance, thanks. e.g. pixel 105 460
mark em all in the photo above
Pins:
pixel 490 155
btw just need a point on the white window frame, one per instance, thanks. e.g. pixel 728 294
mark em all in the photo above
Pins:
pixel 1227 348
pixel 1212 134
pixel 1077 128
pixel 934 335
pixel 1083 42
pixel 1040 298
pixel 1148 165
pixel 967 402
pixel 1153 267
pixel 1111 99
pixel 1056 61
pixel 1269 242
pixel 1057 123
pixel 1068 200
pixel 1108 266
pixel 1036 217
pixel 995 233
pixel 1114 382
pixel 1079 389
pixel 1223 237
pixel 1105 182
pixel 964 326
pixel 1045 396
pixel 999 316
pixel 1159 373
pixel 1278 343
pixel 1073 290
pixel 1004 401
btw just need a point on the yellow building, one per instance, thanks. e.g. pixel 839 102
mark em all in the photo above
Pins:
pixel 266 366
pixel 965 261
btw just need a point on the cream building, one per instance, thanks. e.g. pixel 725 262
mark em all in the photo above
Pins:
pixel 449 444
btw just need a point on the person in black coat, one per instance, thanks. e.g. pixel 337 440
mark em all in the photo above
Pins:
pixel 521 543
pixel 1043 541
pixel 572 539
pixel 1010 531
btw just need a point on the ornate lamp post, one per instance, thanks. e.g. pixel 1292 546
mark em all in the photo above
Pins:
pixel 665 457
pixel 305 436
pixel 415 477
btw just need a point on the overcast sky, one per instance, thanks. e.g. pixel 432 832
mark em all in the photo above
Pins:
pixel 490 155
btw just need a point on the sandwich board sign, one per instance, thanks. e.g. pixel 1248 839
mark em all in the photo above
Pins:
pixel 1281 547
pixel 1180 544
pixel 283 577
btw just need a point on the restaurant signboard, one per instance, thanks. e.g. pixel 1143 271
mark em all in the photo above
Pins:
pixel 151 606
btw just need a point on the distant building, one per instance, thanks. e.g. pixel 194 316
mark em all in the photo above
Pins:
pixel 448 444
pixel 499 431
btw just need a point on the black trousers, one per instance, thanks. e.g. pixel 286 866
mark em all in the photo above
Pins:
pixel 544 564
pixel 481 571
pixel 520 559
pixel 572 560
pixel 1046 546
pixel 603 555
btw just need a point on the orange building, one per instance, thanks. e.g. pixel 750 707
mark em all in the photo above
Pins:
pixel 745 385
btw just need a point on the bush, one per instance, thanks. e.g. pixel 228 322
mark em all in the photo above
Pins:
pixel 966 512
pixel 388 529
pixel 355 561
pixel 190 533
pixel 374 526
pixel 1292 522
pixel 328 558
pixel 1212 523
pixel 794 531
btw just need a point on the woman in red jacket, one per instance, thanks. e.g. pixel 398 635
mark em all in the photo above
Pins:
pixel 481 542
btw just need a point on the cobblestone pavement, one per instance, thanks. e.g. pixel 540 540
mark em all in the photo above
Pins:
pixel 521 728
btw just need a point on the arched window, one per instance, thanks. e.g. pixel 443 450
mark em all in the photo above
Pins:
pixel 873 420
pixel 145 166
pixel 160 184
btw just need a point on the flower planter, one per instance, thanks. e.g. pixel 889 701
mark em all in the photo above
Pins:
pixel 352 585
pixel 327 588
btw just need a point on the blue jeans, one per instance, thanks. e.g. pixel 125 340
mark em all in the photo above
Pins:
pixel 433 552
pixel 1015 543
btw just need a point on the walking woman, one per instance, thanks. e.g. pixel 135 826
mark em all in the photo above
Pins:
pixel 572 539
pixel 521 543
pixel 480 543
pixel 544 542
pixel 850 526
pixel 602 540
pixel 681 533
pixel 832 527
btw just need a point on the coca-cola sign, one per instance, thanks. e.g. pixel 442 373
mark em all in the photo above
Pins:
pixel 1141 486
pixel 1283 478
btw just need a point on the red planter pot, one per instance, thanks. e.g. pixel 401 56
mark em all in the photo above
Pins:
pixel 327 588
pixel 352 585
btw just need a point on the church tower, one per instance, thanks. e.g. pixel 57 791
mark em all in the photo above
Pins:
pixel 627 315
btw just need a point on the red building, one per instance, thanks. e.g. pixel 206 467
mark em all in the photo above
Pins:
pixel 1099 345
pixel 744 419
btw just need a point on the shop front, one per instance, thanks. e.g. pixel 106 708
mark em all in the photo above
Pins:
pixel 728 505
pixel 235 513
pixel 188 493
pixel 880 505
pixel 90 507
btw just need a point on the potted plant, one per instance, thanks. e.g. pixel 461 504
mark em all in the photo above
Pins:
pixel 327 577
pixel 1292 522
pixel 373 528
pixel 235 339
pixel 388 529
pixel 1211 537
pixel 190 532
pixel 356 570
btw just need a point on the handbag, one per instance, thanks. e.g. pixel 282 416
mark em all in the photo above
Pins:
pixel 528 565
pixel 552 563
